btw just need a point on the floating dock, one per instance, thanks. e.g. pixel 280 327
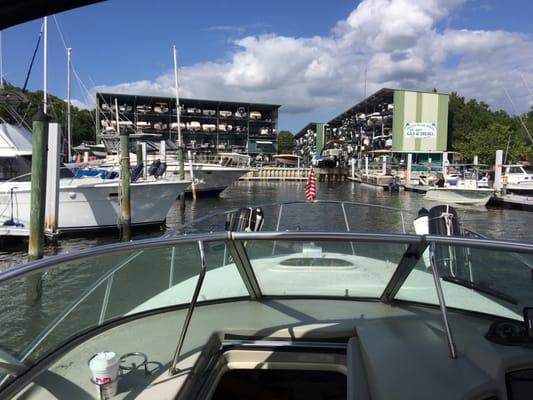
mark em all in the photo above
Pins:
pixel 513 201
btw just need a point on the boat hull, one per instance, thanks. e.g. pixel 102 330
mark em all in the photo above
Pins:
pixel 211 179
pixel 97 206
pixel 470 197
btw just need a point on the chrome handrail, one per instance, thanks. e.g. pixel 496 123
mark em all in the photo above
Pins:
pixel 141 245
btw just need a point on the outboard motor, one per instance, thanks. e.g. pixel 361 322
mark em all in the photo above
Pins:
pixel 160 170
pixel 245 219
pixel 136 172
pixel 152 169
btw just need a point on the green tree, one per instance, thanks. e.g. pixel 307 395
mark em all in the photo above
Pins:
pixel 285 142
pixel 83 121
pixel 475 129
pixel 486 141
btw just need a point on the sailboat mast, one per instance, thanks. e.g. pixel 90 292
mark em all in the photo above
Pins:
pixel 178 107
pixel 45 61
pixel 69 133
pixel 1 63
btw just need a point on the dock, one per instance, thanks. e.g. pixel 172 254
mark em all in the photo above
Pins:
pixel 295 174
pixel 515 201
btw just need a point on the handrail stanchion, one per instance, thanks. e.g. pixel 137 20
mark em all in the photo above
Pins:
pixel 347 226
pixel 173 370
pixel 442 304
pixel 105 301
pixel 277 227
pixel 171 271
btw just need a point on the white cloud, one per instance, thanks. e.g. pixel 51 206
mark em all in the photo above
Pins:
pixel 399 42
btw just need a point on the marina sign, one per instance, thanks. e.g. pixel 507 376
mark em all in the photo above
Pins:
pixel 420 130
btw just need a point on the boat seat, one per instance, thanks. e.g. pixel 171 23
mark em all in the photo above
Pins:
pixel 356 377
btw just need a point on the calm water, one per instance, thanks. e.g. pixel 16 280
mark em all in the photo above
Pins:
pixel 496 223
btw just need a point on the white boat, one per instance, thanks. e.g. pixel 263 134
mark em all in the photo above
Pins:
pixel 93 203
pixel 214 178
pixel 255 115
pixel 15 151
pixel 225 113
pixel 209 178
pixel 458 195
pixel 243 314
pixel 519 178
pixel 287 159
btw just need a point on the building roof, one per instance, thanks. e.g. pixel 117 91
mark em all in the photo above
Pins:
pixel 366 105
pixel 303 131
pixel 148 100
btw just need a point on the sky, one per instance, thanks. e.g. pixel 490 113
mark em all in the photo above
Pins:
pixel 308 56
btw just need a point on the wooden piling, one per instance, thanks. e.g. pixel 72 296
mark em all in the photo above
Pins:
pixel 125 180
pixel 38 184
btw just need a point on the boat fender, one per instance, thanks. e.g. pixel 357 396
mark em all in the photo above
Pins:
pixel 152 169
pixel 421 222
pixel 160 170
pixel 136 172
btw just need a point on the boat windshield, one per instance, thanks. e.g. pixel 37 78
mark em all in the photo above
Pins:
pixel 48 303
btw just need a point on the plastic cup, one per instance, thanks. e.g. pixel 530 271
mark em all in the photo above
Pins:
pixel 104 368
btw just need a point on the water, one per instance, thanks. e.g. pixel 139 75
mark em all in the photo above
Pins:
pixel 491 222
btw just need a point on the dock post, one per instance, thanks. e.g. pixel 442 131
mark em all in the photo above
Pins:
pixel 163 151
pixel 125 179
pixel 193 187
pixel 476 166
pixel 353 168
pixel 384 165
pixel 144 156
pixel 498 171
pixel 409 166
pixel 52 179
pixel 37 201
pixel 445 164
pixel 38 184
pixel 366 165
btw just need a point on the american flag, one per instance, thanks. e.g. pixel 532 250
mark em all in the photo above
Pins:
pixel 310 185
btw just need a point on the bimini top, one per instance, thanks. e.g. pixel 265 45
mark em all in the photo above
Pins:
pixel 14 141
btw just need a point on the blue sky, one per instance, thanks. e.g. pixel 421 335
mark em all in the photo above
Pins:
pixel 308 56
